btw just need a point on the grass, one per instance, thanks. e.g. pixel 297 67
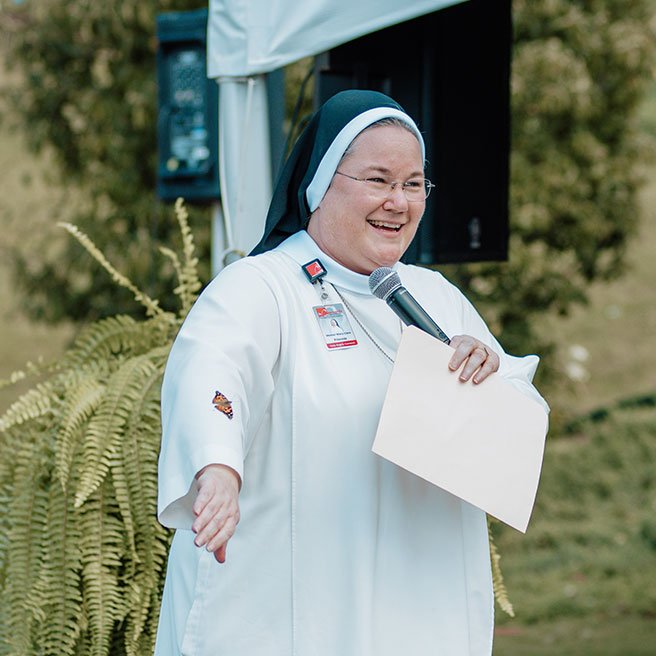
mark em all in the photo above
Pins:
pixel 593 530
pixel 587 636
pixel 583 578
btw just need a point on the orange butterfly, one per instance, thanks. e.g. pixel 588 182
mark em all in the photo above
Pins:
pixel 222 404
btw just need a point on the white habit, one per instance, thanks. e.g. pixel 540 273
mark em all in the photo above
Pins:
pixel 338 552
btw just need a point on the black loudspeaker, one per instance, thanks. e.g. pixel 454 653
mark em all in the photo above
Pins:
pixel 188 118
pixel 450 70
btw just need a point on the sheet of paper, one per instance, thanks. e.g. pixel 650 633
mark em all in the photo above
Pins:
pixel 483 443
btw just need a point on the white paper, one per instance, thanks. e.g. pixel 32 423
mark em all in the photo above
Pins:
pixel 483 443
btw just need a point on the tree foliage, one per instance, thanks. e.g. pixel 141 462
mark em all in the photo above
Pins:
pixel 87 93
pixel 82 556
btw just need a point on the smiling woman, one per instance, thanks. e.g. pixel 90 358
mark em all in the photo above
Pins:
pixel 366 226
pixel 270 403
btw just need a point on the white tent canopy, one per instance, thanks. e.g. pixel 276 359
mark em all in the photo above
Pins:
pixel 247 38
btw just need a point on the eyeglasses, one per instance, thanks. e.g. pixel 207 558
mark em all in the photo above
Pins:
pixel 414 190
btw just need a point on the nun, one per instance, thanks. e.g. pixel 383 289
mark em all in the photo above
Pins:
pixel 292 537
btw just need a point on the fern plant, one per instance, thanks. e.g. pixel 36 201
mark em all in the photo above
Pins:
pixel 82 556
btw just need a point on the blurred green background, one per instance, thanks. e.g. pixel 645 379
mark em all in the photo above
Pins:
pixel 583 578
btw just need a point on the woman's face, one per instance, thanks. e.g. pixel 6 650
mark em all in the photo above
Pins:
pixel 357 229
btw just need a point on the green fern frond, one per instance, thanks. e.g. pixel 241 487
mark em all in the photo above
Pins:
pixel 102 340
pixel 33 603
pixel 182 290
pixel 135 479
pixel 60 589
pixel 136 458
pixel 30 369
pixel 80 404
pixel 175 261
pixel 500 592
pixel 151 539
pixel 84 644
pixel 143 599
pixel 120 335
pixel 190 283
pixel 27 514
pixel 33 404
pixel 145 641
pixel 102 551
pixel 151 306
pixel 106 428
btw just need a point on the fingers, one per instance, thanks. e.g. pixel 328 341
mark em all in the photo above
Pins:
pixel 221 538
pixel 479 360
pixel 489 367
pixel 466 348
pixel 217 509
pixel 215 528
pixel 204 496
pixel 220 554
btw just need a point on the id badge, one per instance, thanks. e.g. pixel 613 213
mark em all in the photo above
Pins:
pixel 335 326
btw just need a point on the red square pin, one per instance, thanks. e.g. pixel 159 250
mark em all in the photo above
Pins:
pixel 314 270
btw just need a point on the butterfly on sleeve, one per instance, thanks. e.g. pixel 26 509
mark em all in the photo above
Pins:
pixel 222 404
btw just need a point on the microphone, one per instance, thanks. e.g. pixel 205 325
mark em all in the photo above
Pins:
pixel 385 284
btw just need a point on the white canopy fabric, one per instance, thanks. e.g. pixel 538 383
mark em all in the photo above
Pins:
pixel 247 38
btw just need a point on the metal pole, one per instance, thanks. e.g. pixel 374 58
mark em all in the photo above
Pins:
pixel 218 238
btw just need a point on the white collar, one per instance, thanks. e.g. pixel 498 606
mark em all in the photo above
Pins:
pixel 303 249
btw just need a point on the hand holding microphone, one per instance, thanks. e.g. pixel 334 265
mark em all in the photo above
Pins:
pixel 480 360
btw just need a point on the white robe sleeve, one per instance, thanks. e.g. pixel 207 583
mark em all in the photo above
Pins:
pixel 229 344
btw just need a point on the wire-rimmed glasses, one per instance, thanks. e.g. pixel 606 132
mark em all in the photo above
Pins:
pixel 415 190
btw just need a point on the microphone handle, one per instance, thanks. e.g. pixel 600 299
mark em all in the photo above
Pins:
pixel 411 313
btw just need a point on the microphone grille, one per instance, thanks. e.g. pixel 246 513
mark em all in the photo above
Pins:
pixel 383 281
